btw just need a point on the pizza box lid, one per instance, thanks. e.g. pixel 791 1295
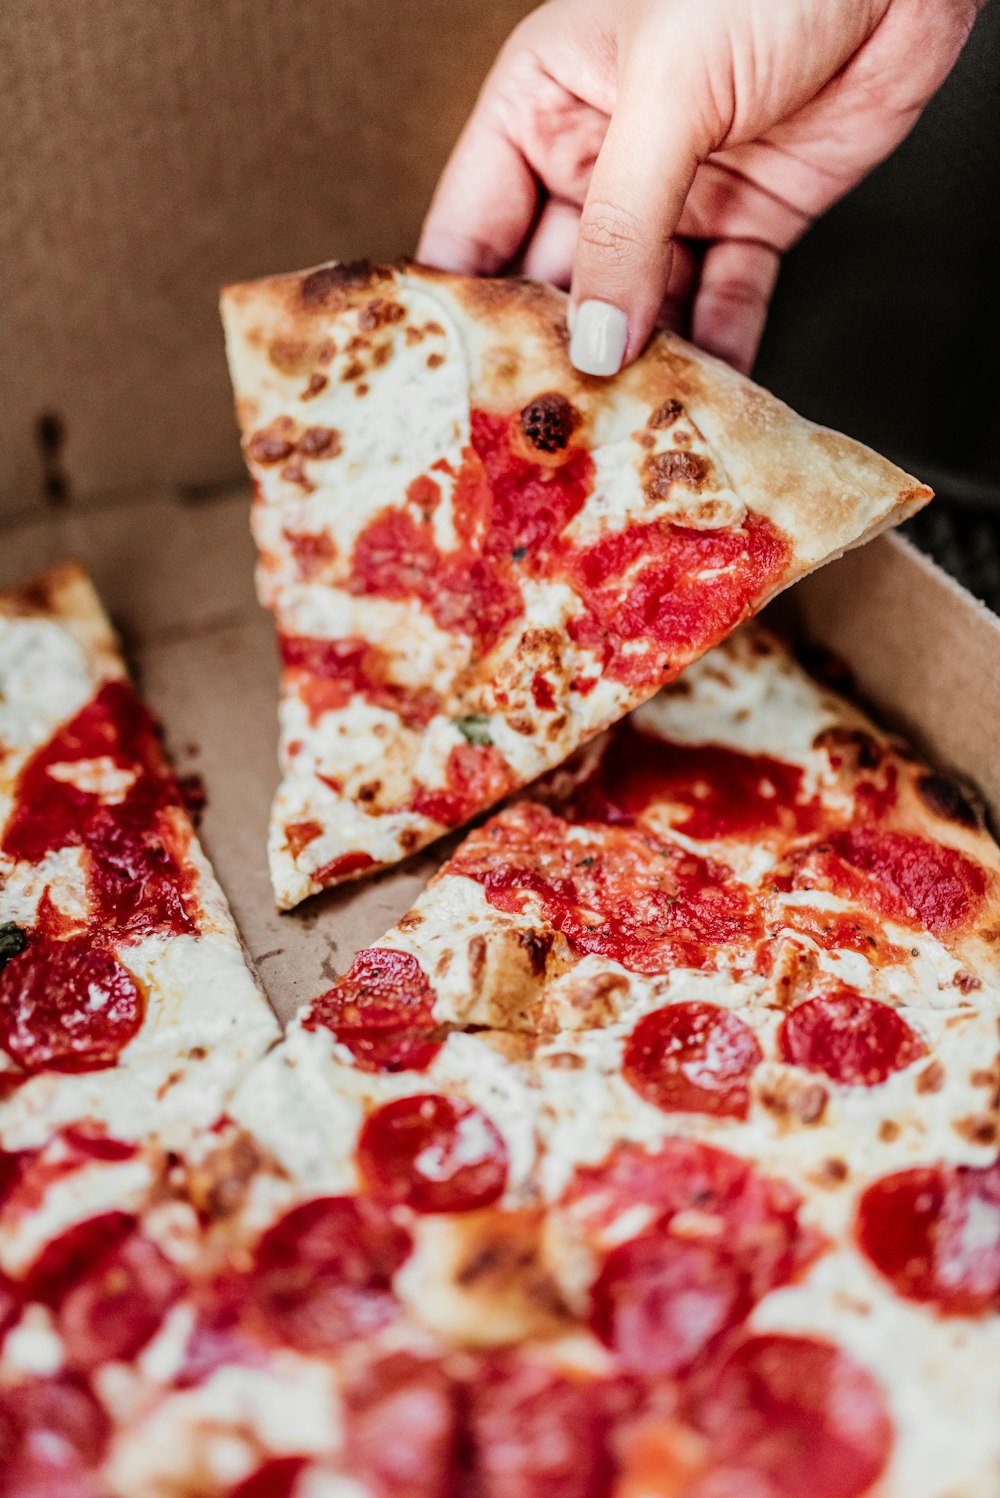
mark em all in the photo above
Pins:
pixel 176 577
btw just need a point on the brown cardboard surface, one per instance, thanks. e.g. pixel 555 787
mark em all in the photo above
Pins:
pixel 177 580
pixel 152 153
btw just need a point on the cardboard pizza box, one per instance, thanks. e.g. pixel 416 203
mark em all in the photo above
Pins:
pixel 177 577
pixel 153 153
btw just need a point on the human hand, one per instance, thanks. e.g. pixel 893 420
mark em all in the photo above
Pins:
pixel 657 156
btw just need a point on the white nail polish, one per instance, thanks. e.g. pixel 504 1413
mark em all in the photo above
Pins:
pixel 598 338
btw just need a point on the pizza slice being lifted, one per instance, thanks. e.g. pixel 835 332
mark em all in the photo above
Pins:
pixel 479 558
pixel 126 1002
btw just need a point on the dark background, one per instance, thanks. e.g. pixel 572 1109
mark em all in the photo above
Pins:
pixel 886 321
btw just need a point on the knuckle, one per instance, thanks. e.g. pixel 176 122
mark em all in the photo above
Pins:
pixel 610 231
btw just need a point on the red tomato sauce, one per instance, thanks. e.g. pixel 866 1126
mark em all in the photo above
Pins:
pixel 646 907
pixel 902 876
pixel 327 673
pixel 508 514
pixel 840 931
pixel 713 792
pixel 134 848
pixel 476 775
pixel 675 589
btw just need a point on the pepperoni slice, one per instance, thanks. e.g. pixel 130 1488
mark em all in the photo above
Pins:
pixel 792 1417
pixel 661 1301
pixel 66 1260
pixel 400 1429
pixel 53 1433
pixel 382 1009
pixel 322 1274
pixel 706 1194
pixel 120 1305
pixel 66 1006
pixel 277 1478
pixel 934 1232
pixel 110 1286
pixel 851 1039
pixel 12 1166
pixel 538 1433
pixel 434 1154
pixel 694 1058
pixel 9 1303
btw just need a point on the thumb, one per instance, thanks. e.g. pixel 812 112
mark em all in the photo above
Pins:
pixel 639 184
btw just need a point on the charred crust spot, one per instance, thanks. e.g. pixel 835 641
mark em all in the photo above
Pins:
pixel 288 355
pixel 409 839
pixel 946 800
pixel 565 1061
pixel 272 444
pixel 536 945
pixel 322 285
pixel 434 361
pixel 799 1102
pixel 369 791
pixel 665 415
pixel 353 371
pixel 361 388
pixel 317 384
pixel 888 1130
pixel 851 747
pixel 380 312
pixel 218 1186
pixel 294 473
pixel 381 354
pixel 410 921
pixel 549 421
pixel 445 959
pixel 477 961
pixel 833 1171
pixel 319 442
pixel 932 1078
pixel 978 1128
pixel 661 471
pixel 966 982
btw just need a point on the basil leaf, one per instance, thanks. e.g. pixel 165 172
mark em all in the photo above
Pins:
pixel 12 941
pixel 475 728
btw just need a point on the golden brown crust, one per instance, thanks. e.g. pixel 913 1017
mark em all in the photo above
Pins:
pixel 826 491
pixel 66 595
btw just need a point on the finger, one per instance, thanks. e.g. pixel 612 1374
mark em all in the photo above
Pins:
pixel 549 255
pixel 484 203
pixel 734 292
pixel 685 264
pixel 639 185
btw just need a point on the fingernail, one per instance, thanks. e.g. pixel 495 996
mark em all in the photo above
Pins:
pixel 598 337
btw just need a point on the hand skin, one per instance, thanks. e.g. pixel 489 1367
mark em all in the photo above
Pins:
pixel 659 155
